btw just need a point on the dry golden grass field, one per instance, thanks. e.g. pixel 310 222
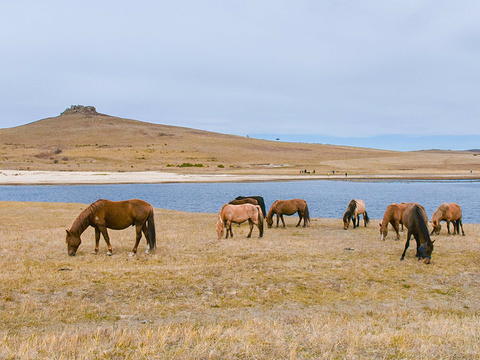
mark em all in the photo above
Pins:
pixel 318 292
pixel 97 142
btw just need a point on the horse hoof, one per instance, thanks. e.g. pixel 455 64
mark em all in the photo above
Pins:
pixel 131 254
pixel 109 253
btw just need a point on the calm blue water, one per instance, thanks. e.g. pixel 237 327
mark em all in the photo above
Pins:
pixel 326 199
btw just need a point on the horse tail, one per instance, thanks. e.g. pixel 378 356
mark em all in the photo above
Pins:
pixel 260 220
pixel 366 219
pixel 306 214
pixel 152 237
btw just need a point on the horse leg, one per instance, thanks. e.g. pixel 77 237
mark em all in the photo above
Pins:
pixel 250 223
pixel 300 220
pixel 396 227
pixel 407 244
pixel 97 241
pixel 228 226
pixel 283 221
pixel 278 218
pixel 104 232
pixel 448 228
pixel 459 224
pixel 138 236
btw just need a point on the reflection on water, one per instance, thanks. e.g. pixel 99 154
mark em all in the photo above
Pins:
pixel 326 199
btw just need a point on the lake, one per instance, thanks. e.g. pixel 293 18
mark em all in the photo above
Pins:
pixel 326 199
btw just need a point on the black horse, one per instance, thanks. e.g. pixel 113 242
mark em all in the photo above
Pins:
pixel 259 199
pixel 415 220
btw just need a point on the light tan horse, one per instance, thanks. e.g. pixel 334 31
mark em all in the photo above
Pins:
pixel 393 215
pixel 355 208
pixel 451 213
pixel 117 215
pixel 288 207
pixel 238 214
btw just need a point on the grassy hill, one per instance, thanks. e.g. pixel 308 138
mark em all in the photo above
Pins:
pixel 90 141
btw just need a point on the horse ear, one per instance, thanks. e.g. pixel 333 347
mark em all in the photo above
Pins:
pixel 68 231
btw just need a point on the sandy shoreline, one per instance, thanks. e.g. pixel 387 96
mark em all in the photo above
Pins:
pixel 21 177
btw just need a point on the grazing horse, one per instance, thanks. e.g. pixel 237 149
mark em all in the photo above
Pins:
pixel 415 219
pixel 288 207
pixel 393 215
pixel 259 199
pixel 449 212
pixel 355 208
pixel 238 214
pixel 117 215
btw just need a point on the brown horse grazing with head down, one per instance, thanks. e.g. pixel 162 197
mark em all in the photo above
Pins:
pixel 238 214
pixel 288 207
pixel 393 215
pixel 449 212
pixel 355 208
pixel 117 215
pixel 415 219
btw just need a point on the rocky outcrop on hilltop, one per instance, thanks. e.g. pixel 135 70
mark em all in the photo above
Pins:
pixel 80 110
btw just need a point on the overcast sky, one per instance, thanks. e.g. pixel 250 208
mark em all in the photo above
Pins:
pixel 334 68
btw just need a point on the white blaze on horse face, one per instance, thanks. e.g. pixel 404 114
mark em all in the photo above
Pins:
pixel 96 218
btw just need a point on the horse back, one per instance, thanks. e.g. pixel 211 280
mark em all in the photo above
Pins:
pixel 121 214
pixel 360 208
pixel 413 215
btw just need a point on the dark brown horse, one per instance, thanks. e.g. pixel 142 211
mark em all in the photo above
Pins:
pixel 415 220
pixel 238 214
pixel 117 215
pixel 355 208
pixel 259 199
pixel 393 215
pixel 288 207
pixel 449 212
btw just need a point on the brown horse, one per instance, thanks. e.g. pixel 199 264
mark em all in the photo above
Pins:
pixel 450 212
pixel 415 219
pixel 393 215
pixel 238 214
pixel 355 208
pixel 117 215
pixel 288 207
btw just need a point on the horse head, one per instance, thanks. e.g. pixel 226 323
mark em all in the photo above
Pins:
pixel 436 226
pixel 346 221
pixel 220 228
pixel 269 221
pixel 383 231
pixel 73 242
pixel 425 251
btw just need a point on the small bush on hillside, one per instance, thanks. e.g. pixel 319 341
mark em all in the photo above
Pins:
pixel 191 165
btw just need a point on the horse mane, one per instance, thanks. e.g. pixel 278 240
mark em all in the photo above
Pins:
pixel 83 219
pixel 352 205
pixel 421 222
pixel 272 209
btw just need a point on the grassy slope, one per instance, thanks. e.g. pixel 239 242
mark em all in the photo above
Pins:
pixel 105 143
pixel 318 292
